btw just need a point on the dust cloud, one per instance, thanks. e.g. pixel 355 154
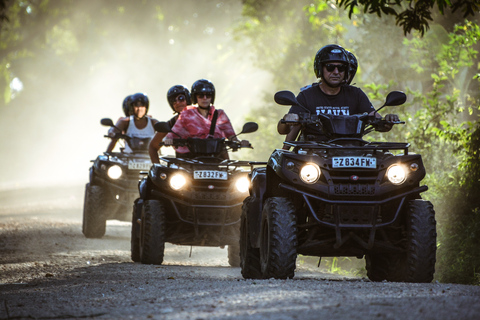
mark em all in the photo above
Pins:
pixel 51 130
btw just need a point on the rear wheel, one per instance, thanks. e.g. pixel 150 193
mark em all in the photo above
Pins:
pixel 249 256
pixel 234 255
pixel 135 240
pixel 152 232
pixel 278 238
pixel 377 266
pixel 94 222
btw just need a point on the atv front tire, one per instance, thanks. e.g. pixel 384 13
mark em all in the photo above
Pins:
pixel 249 256
pixel 94 222
pixel 152 232
pixel 418 264
pixel 278 236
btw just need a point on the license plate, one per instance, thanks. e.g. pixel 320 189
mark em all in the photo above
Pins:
pixel 354 162
pixel 210 174
pixel 139 165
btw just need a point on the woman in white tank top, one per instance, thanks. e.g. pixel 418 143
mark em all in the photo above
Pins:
pixel 137 125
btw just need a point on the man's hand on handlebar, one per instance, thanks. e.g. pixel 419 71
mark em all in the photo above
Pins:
pixel 291 117
pixel 392 118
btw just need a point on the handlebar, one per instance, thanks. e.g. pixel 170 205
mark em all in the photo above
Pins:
pixel 234 145
pixel 118 136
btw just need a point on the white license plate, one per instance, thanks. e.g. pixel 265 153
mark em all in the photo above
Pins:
pixel 354 162
pixel 139 165
pixel 210 174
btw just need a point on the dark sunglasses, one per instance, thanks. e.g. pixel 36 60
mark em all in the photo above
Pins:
pixel 206 95
pixel 139 104
pixel 180 98
pixel 340 67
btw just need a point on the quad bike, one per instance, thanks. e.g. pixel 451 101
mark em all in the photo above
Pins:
pixel 340 197
pixel 113 185
pixel 194 202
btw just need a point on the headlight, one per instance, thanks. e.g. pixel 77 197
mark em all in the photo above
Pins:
pixel 396 174
pixel 114 172
pixel 310 173
pixel 177 181
pixel 242 184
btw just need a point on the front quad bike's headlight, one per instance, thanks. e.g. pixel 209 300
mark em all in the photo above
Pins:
pixel 310 173
pixel 242 184
pixel 114 172
pixel 177 181
pixel 396 174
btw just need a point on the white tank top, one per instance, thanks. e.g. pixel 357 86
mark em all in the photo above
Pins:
pixel 133 131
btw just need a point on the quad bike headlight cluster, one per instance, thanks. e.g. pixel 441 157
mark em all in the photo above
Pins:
pixel 242 184
pixel 396 174
pixel 177 181
pixel 114 172
pixel 310 173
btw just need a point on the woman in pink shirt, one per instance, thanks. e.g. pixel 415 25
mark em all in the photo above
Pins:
pixel 196 121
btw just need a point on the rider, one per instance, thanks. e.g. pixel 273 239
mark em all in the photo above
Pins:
pixel 331 95
pixel 178 98
pixel 196 121
pixel 136 124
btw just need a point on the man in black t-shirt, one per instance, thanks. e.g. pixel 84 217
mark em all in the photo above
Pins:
pixel 330 96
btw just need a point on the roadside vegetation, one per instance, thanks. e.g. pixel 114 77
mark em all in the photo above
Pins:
pixel 428 49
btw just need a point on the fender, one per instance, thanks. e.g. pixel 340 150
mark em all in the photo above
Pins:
pixel 143 187
pixel 254 212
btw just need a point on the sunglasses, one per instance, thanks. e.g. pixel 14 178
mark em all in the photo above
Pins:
pixel 340 67
pixel 180 98
pixel 139 104
pixel 206 95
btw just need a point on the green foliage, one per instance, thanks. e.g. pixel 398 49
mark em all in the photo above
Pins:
pixel 416 15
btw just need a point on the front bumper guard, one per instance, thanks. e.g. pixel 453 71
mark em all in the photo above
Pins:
pixel 338 226
pixel 173 201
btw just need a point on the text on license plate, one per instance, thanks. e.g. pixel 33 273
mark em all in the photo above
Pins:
pixel 139 165
pixel 210 174
pixel 354 162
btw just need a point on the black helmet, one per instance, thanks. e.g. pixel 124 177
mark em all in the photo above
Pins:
pixel 126 105
pixel 139 97
pixel 176 90
pixel 202 86
pixel 329 53
pixel 352 66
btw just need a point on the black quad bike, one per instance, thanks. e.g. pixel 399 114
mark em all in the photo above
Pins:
pixel 194 202
pixel 113 185
pixel 341 197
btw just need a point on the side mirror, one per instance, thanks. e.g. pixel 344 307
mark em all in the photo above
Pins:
pixel 285 98
pixel 162 127
pixel 395 98
pixel 249 127
pixel 107 122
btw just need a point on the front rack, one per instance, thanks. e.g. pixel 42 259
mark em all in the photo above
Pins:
pixel 374 146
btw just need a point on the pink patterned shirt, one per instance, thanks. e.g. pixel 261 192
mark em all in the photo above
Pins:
pixel 191 124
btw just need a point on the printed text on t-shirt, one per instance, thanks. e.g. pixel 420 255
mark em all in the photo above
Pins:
pixel 337 111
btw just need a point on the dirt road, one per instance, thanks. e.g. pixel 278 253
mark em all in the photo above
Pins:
pixel 48 270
